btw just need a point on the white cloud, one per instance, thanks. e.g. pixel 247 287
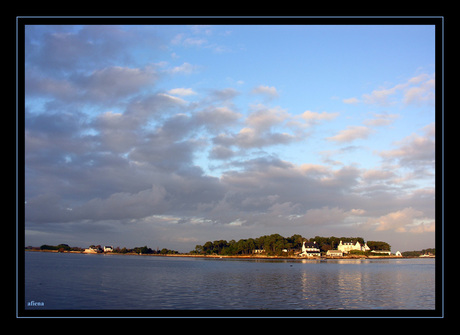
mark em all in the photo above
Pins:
pixel 185 68
pixel 351 133
pixel 263 118
pixel 194 41
pixel 268 91
pixel 182 91
pixel 421 94
pixel 401 221
pixel 171 98
pixel 352 101
pixel 414 151
pixel 381 97
pixel 381 120
pixel 378 175
pixel 314 117
pixel 416 90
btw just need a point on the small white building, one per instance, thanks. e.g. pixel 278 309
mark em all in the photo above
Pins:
pixel 398 254
pixel 90 251
pixel 386 252
pixel 334 253
pixel 108 248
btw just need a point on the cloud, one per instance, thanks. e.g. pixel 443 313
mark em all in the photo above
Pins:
pixel 221 152
pixel 314 117
pixel 421 94
pixel 324 216
pixel 182 39
pixel 184 68
pixel 181 91
pixel 68 48
pixel 267 91
pixel 416 90
pixel 104 86
pixel 384 119
pixel 350 134
pixel 262 127
pixel 215 118
pixel 381 97
pixel 352 101
pixel 405 220
pixel 263 118
pixel 115 82
pixel 223 95
pixel 415 151
pixel 378 175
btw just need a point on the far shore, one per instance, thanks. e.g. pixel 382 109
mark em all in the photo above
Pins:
pixel 236 256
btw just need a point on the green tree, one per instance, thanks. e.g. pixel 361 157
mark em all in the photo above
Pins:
pixel 378 245
pixel 295 241
pixel 64 247
pixel 198 249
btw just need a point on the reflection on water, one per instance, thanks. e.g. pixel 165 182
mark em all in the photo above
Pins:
pixel 74 281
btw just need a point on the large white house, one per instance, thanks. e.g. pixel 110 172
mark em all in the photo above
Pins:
pixel 346 247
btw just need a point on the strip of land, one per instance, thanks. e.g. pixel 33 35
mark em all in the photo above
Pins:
pixel 235 256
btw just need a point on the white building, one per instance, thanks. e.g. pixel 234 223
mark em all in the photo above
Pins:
pixel 108 248
pixel 348 246
pixel 310 249
pixel 90 251
pixel 386 252
pixel 334 253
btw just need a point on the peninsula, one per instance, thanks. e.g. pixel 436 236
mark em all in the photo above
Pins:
pixel 267 246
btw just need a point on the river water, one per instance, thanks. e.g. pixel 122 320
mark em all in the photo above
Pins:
pixel 118 282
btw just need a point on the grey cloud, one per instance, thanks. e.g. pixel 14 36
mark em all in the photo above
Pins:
pixel 114 82
pixel 221 153
pixel 71 48
pixel 214 118
pixel 107 86
pixel 416 153
pixel 225 94
pixel 264 127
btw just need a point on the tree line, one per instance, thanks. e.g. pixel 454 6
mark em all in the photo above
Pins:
pixel 275 244
pixel 137 250
pixel 60 247
pixel 416 253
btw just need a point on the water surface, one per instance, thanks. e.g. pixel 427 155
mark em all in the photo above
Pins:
pixel 80 281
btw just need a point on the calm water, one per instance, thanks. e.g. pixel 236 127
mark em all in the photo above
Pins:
pixel 79 281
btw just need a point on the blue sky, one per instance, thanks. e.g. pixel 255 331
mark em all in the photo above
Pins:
pixel 173 135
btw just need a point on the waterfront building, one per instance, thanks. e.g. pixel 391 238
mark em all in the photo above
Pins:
pixel 386 252
pixel 334 253
pixel 346 247
pixel 310 249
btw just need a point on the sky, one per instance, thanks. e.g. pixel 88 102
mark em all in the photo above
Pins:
pixel 173 135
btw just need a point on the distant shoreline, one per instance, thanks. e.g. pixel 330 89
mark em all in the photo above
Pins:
pixel 236 256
